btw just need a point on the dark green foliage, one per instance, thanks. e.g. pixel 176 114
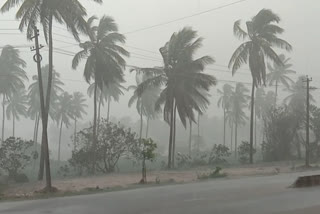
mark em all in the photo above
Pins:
pixel 113 142
pixel 218 154
pixel 14 157
pixel 64 171
pixel 21 178
pixel 214 174
pixel 244 152
pixel 280 127
pixel 186 161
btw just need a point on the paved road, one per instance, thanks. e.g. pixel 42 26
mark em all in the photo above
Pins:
pixel 253 195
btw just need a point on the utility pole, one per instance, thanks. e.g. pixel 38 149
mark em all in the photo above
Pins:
pixel 44 155
pixel 308 80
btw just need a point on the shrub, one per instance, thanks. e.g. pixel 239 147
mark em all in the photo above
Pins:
pixel 14 157
pixel 113 142
pixel 21 178
pixel 199 159
pixel 214 174
pixel 218 154
pixel 244 152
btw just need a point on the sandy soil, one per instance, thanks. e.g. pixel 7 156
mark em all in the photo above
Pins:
pixel 125 179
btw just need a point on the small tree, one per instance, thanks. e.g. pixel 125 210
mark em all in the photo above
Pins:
pixel 218 154
pixel 244 152
pixel 145 152
pixel 14 155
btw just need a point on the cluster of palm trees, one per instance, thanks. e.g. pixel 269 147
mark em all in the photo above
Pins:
pixel 179 86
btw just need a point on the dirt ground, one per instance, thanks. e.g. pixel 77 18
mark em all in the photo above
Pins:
pixel 126 179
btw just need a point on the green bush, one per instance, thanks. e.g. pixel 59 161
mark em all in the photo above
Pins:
pixel 211 175
pixel 218 154
pixel 21 178
pixel 244 152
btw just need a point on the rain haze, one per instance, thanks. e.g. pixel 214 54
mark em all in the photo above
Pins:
pixel 214 139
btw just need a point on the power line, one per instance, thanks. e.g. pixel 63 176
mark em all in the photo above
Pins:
pixel 186 17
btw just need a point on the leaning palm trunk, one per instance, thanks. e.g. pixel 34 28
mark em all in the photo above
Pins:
pixel 236 138
pixel 147 127
pixel 75 134
pixel 276 94
pixel 59 149
pixel 170 135
pixel 3 115
pixel 251 123
pixel 224 126
pixel 190 136
pixel 231 137
pixel 99 112
pixel 13 126
pixel 141 124
pixel 108 111
pixel 94 136
pixel 255 130
pixel 174 136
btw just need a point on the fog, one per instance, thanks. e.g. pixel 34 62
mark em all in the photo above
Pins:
pixel 145 25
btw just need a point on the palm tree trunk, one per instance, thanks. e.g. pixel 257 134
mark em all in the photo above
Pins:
pixel 141 123
pixel 147 128
pixel 255 130
pixel 99 111
pixel 35 132
pixel 74 134
pixel 3 115
pixel 108 111
pixel 231 136
pixel 198 125
pixel 276 94
pixel 174 136
pixel 224 126
pixel 190 136
pixel 236 138
pixel 59 149
pixel 13 119
pixel 170 136
pixel 94 140
pixel 251 123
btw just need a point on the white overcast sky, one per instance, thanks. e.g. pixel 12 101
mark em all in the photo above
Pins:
pixel 300 19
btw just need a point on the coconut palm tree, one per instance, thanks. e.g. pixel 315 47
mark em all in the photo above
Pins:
pixel 12 76
pixel 224 102
pixel 78 110
pixel 17 106
pixel 104 60
pixel 260 38
pixel 181 79
pixel 238 102
pixel 63 114
pixel 111 92
pixel 279 74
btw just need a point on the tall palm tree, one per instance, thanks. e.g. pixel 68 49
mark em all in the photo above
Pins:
pixel 78 110
pixel 30 12
pixel 260 38
pixel 17 106
pixel 12 76
pixel 110 92
pixel 104 60
pixel 63 114
pixel 145 102
pixel 181 79
pixel 224 102
pixel 279 74
pixel 238 101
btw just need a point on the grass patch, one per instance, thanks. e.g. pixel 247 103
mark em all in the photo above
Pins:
pixel 212 175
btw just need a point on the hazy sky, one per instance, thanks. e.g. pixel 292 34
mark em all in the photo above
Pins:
pixel 300 19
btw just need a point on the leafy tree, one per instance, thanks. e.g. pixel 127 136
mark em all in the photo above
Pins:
pixel 279 74
pixel 104 59
pixel 17 106
pixel 224 102
pixel 145 151
pixel 63 114
pixel 280 129
pixel 218 154
pixel 181 80
pixel 14 157
pixel 244 151
pixel 238 101
pixel 12 76
pixel 114 142
pixel 78 110
pixel 260 38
